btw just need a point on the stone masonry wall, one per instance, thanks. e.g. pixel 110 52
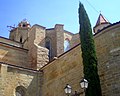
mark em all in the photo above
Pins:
pixel 39 35
pixel 18 33
pixel 67 69
pixel 67 36
pixel 59 39
pixel 32 53
pixel 99 27
pixel 75 40
pixel 38 56
pixel 13 55
pixel 42 56
pixel 50 34
pixel 108 53
pixel 12 77
pixel 10 42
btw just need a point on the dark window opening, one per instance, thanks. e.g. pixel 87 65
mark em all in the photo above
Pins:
pixel 24 25
pixel 48 46
pixel 21 39
pixel 0 68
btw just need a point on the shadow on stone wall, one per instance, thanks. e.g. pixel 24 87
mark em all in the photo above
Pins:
pixel 12 78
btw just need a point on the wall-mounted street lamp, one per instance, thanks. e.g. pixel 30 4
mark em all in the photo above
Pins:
pixel 84 84
pixel 68 88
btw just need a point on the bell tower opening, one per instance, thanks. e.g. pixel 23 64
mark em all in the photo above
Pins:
pixel 24 25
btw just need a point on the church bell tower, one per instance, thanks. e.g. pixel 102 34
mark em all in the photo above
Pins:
pixel 20 33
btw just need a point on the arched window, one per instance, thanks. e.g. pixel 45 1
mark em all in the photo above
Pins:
pixel 49 47
pixel 66 45
pixel 20 91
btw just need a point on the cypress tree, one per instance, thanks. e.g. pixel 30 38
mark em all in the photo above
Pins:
pixel 88 54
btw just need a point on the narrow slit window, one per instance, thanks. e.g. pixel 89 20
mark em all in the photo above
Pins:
pixel 21 39
pixel 49 47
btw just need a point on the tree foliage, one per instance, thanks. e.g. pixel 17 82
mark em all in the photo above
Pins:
pixel 88 54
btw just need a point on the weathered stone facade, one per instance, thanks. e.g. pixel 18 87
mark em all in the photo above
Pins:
pixel 108 53
pixel 12 77
pixel 24 67
pixel 13 54
pixel 67 69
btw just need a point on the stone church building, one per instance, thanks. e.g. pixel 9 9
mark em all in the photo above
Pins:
pixel 36 61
